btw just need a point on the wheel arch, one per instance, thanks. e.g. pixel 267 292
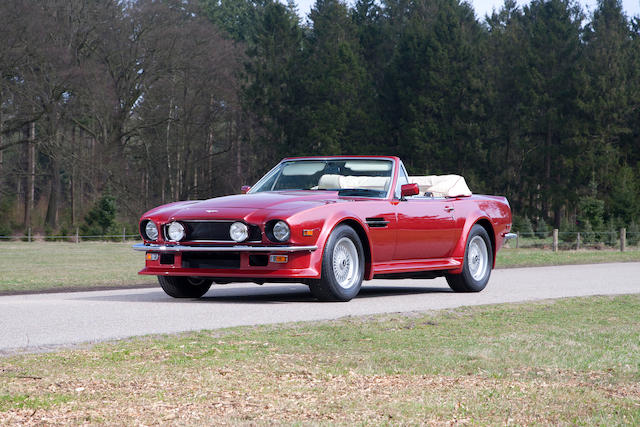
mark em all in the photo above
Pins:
pixel 460 249
pixel 486 224
pixel 364 239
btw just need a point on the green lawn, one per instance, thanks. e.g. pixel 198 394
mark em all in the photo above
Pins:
pixel 568 362
pixel 50 265
pixel 508 258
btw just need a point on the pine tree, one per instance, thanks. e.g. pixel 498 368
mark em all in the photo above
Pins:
pixel 333 89
pixel 552 82
pixel 273 52
pixel 434 88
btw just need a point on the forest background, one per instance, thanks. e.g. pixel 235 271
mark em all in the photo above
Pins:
pixel 108 108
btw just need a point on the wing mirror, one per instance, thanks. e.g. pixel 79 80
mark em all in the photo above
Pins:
pixel 245 189
pixel 409 190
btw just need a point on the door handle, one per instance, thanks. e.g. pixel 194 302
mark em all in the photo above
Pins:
pixel 449 208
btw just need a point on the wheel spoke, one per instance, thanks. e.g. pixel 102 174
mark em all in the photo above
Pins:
pixel 345 263
pixel 478 258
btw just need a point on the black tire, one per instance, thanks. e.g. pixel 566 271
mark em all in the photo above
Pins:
pixel 475 275
pixel 343 282
pixel 184 287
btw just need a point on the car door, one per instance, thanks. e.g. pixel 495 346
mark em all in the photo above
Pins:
pixel 426 227
pixel 381 220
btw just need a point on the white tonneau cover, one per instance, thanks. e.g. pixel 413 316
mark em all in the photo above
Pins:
pixel 442 185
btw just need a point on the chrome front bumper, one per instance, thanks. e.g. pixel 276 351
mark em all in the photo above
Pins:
pixel 510 236
pixel 238 248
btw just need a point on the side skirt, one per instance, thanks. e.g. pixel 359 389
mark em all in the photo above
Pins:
pixel 412 275
pixel 415 266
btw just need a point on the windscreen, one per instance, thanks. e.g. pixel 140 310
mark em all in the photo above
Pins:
pixel 350 177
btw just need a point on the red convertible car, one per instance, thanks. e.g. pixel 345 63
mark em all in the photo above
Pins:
pixel 328 222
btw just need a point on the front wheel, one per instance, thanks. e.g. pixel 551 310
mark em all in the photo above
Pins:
pixel 478 261
pixel 342 267
pixel 184 287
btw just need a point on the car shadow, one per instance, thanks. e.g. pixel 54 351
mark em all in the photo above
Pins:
pixel 269 294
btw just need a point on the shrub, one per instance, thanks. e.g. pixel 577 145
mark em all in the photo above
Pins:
pixel 542 229
pixel 48 231
pixel 586 233
pixel 6 203
pixel 5 230
pixel 100 220
pixel 567 232
pixel 610 235
pixel 633 234
pixel 522 225
pixel 591 209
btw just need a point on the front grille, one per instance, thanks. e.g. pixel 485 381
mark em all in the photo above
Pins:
pixel 216 231
pixel 224 260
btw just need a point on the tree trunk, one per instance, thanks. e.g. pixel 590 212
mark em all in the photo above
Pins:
pixel 1 140
pixel 54 196
pixel 31 175
pixel 168 152
pixel 72 179
pixel 546 196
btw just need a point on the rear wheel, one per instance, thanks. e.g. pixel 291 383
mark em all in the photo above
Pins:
pixel 342 267
pixel 478 261
pixel 184 287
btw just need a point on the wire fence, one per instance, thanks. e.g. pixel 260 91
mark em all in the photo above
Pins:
pixel 75 238
pixel 564 240
pixel 572 240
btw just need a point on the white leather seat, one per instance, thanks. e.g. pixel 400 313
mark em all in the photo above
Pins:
pixel 329 182
pixel 334 181
pixel 369 182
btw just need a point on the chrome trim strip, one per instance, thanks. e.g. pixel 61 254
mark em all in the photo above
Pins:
pixel 181 248
pixel 221 241
pixel 210 220
pixel 509 236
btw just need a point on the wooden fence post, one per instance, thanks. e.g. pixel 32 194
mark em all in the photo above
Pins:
pixel 29 235
pixel 555 240
pixel 578 241
pixel 77 235
pixel 124 234
pixel 517 240
pixel 623 239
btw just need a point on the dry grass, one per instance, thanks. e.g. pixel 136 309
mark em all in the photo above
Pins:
pixel 574 361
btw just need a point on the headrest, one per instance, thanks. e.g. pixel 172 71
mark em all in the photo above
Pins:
pixel 329 182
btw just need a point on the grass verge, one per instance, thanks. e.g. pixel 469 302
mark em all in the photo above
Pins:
pixel 509 258
pixel 39 266
pixel 572 361
pixel 52 265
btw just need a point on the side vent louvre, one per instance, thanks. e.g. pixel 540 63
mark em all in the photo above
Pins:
pixel 378 222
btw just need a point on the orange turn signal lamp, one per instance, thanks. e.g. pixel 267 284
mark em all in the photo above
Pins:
pixel 152 256
pixel 307 233
pixel 279 259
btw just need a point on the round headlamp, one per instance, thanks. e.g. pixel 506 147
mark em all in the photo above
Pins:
pixel 151 230
pixel 175 231
pixel 281 231
pixel 239 232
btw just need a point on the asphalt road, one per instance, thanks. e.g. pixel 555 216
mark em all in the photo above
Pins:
pixel 45 321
